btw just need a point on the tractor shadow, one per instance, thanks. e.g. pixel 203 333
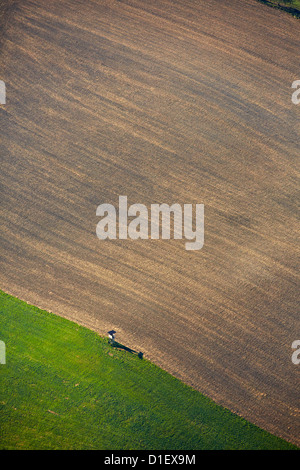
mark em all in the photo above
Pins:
pixel 120 346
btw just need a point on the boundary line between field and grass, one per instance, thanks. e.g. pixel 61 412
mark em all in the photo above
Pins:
pixel 295 12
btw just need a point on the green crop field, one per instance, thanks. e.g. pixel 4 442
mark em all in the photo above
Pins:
pixel 64 387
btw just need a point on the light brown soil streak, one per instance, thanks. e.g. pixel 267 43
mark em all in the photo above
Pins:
pixel 162 101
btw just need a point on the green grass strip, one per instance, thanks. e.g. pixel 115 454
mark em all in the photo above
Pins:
pixel 292 7
pixel 64 387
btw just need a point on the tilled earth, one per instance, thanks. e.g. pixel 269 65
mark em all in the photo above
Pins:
pixel 163 101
